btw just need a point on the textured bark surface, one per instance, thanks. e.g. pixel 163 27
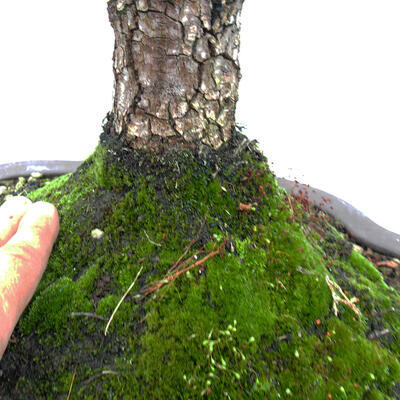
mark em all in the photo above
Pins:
pixel 176 71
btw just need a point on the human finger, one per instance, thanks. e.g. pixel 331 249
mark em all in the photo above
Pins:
pixel 11 213
pixel 22 262
pixel 36 234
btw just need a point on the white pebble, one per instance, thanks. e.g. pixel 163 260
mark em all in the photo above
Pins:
pixel 97 234
pixel 36 175
pixel 357 249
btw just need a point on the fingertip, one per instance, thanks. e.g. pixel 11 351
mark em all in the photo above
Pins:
pixel 11 213
pixel 42 218
pixel 46 212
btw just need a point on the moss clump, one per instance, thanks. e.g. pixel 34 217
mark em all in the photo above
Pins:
pixel 232 299
pixel 365 268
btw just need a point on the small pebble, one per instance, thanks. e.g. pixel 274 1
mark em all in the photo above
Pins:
pixel 36 175
pixel 357 249
pixel 97 234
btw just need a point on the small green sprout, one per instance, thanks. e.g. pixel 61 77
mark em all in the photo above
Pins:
pixel 372 376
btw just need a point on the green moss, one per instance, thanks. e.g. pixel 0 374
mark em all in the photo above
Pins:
pixel 366 268
pixel 50 309
pixel 54 188
pixel 255 320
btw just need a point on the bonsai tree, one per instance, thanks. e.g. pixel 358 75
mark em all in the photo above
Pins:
pixel 182 270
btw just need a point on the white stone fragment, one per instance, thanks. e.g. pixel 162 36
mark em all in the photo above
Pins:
pixel 97 234
pixel 357 249
pixel 36 175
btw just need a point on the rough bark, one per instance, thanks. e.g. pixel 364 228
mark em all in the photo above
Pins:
pixel 176 71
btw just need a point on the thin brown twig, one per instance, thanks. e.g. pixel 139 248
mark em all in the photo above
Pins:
pixel 169 278
pixel 188 248
pixel 183 255
pixel 102 373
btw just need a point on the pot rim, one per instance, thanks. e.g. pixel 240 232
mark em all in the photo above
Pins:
pixel 363 229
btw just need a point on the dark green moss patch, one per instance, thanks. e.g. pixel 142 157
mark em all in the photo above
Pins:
pixel 253 320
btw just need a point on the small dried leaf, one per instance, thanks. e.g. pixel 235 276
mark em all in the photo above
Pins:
pixel 245 207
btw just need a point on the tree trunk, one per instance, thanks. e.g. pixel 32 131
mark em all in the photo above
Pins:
pixel 176 72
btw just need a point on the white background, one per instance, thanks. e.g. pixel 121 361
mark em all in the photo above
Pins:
pixel 320 89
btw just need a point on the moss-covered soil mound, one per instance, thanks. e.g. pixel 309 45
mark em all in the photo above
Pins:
pixel 229 289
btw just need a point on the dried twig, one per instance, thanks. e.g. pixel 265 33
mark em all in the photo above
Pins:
pixel 122 299
pixel 183 255
pixel 180 269
pixel 151 241
pixel 72 382
pixel 92 378
pixel 387 263
pixel 344 299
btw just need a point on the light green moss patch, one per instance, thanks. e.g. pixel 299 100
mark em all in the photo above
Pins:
pixel 365 267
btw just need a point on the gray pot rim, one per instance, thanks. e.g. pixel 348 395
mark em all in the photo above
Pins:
pixel 363 229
